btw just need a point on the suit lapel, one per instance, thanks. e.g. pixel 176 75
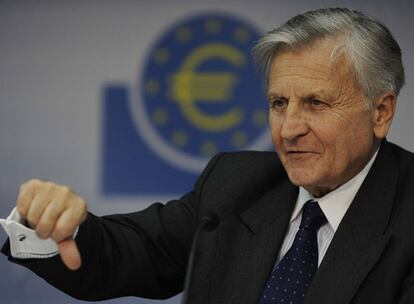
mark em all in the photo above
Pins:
pixel 274 204
pixel 268 221
pixel 360 239
pixel 251 244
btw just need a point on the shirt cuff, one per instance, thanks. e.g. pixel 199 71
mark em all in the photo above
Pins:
pixel 24 243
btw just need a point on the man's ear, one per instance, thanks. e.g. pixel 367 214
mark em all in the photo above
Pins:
pixel 383 112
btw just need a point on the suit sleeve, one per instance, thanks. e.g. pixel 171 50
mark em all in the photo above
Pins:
pixel 138 254
pixel 407 288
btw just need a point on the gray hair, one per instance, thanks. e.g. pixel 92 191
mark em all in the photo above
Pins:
pixel 373 53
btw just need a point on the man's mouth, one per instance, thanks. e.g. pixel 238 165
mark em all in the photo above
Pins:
pixel 298 152
pixel 299 155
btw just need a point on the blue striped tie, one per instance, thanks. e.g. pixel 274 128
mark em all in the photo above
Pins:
pixel 294 273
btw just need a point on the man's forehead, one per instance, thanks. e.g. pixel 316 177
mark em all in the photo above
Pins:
pixel 300 76
pixel 312 66
pixel 285 69
pixel 319 55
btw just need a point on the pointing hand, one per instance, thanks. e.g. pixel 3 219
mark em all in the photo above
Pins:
pixel 54 211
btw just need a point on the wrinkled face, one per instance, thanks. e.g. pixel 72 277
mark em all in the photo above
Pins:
pixel 322 130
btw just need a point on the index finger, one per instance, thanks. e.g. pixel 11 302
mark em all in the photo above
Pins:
pixel 25 197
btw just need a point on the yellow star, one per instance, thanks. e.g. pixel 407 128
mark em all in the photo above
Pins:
pixel 152 87
pixel 183 34
pixel 160 117
pixel 241 35
pixel 239 139
pixel 161 56
pixel 179 138
pixel 208 148
pixel 212 26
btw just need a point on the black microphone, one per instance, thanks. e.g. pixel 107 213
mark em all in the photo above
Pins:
pixel 208 222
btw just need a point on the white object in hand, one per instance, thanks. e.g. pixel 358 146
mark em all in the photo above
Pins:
pixel 24 243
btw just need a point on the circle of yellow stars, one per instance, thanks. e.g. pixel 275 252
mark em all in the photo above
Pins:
pixel 160 116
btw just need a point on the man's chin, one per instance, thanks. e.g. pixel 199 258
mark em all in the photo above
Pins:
pixel 310 184
pixel 301 180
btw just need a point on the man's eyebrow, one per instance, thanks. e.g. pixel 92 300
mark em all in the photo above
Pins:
pixel 318 93
pixel 274 95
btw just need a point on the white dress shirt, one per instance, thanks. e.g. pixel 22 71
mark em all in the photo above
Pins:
pixel 334 206
pixel 25 244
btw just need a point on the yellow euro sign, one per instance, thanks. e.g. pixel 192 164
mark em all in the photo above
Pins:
pixel 188 87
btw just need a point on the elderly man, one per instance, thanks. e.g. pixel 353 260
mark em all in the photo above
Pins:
pixel 329 219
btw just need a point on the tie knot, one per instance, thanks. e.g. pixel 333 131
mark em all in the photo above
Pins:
pixel 312 216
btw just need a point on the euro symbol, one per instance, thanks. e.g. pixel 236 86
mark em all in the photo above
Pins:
pixel 188 87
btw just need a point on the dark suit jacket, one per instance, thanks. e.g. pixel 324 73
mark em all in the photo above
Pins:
pixel 370 259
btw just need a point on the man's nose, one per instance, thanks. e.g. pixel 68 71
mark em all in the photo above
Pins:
pixel 294 123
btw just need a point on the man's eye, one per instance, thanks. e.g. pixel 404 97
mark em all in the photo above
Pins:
pixel 316 103
pixel 278 104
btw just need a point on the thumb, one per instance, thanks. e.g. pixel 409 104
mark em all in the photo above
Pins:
pixel 69 254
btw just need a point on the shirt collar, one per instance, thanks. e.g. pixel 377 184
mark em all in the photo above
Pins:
pixel 334 204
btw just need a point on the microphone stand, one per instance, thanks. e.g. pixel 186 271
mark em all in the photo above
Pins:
pixel 208 222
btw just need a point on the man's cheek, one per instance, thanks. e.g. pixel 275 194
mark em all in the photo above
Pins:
pixel 276 139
